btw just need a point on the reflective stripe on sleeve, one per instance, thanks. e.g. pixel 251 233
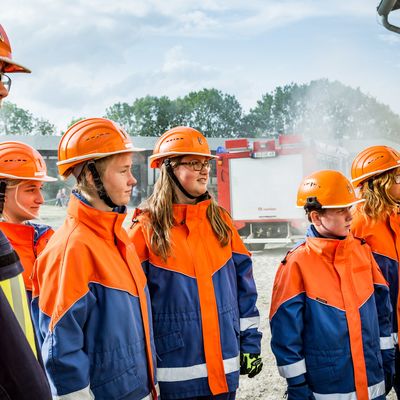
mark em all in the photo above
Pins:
pixel 386 342
pixel 374 392
pixel 83 394
pixel 194 372
pixel 249 323
pixel 292 370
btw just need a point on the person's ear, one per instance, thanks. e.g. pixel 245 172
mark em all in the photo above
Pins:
pixel 315 218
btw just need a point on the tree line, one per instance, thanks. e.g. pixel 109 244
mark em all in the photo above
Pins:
pixel 318 109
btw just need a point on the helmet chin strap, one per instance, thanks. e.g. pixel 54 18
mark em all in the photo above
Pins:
pixel 101 190
pixel 3 187
pixel 170 172
pixel 2 201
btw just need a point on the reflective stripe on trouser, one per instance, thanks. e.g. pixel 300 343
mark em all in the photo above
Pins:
pixel 15 292
pixel 373 392
pixel 194 372
pixel 386 343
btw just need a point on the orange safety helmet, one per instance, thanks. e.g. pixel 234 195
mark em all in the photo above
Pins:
pixel 91 139
pixel 6 55
pixel 21 161
pixel 326 189
pixel 373 161
pixel 181 140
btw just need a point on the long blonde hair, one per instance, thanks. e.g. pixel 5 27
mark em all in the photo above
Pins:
pixel 160 210
pixel 379 204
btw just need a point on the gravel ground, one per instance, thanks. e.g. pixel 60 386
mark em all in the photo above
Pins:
pixel 268 385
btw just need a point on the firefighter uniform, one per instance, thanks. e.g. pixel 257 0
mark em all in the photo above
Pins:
pixel 28 240
pixel 203 304
pixel 91 310
pixel 383 236
pixel 330 319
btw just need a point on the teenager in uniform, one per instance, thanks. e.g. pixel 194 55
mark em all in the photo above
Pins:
pixel 199 275
pixel 90 299
pixel 330 313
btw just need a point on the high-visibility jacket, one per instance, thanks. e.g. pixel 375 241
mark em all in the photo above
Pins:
pixel 383 236
pixel 330 319
pixel 204 304
pixel 91 310
pixel 28 240
pixel 12 285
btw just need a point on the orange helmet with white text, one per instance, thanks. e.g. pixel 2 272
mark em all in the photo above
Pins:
pixel 21 161
pixel 91 139
pixel 181 140
pixel 373 161
pixel 326 189
pixel 6 55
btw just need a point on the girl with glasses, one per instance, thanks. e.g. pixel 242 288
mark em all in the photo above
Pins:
pixel 199 275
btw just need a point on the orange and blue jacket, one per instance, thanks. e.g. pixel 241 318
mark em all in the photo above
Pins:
pixel 203 303
pixel 383 236
pixel 28 240
pixel 330 319
pixel 91 310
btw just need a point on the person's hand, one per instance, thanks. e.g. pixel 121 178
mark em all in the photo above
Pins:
pixel 250 364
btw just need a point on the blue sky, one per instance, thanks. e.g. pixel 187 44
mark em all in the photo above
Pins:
pixel 88 54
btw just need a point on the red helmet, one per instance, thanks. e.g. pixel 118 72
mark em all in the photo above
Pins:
pixel 21 161
pixel 91 139
pixel 6 55
pixel 177 141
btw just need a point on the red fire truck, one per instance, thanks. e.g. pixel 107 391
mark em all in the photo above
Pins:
pixel 258 181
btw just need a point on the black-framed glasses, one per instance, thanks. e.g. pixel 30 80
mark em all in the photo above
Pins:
pixel 197 165
pixel 6 81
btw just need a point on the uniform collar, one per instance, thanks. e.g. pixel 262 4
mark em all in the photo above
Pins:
pixel 184 213
pixel 23 234
pixel 104 223
pixel 325 247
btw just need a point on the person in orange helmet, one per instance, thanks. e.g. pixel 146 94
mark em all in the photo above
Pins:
pixel 375 172
pixel 330 309
pixel 22 175
pixel 21 375
pixel 90 305
pixel 199 274
pixel 7 64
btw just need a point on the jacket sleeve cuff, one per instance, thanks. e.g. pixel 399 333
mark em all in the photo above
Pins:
pixel 296 380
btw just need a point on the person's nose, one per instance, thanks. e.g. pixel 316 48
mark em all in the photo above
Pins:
pixel 39 198
pixel 3 91
pixel 349 215
pixel 132 180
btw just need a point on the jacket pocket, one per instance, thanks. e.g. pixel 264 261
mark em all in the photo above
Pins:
pixel 117 387
pixel 324 367
pixel 168 342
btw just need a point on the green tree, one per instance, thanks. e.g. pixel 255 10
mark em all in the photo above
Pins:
pixel 15 120
pixel 212 112
pixel 44 127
